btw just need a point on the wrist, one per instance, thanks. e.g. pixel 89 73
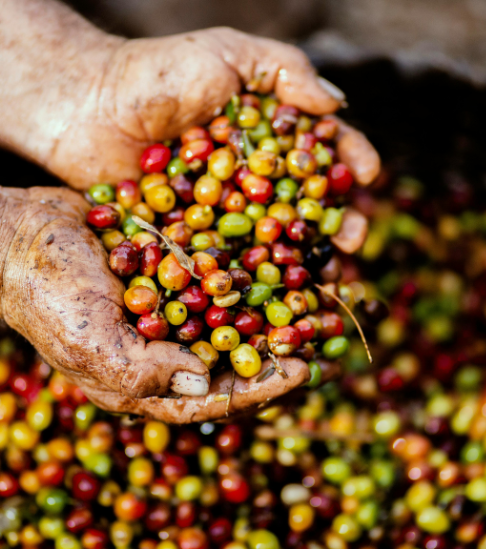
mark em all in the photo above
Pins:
pixel 51 68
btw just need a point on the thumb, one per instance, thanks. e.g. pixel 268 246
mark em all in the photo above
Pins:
pixel 155 368
pixel 265 65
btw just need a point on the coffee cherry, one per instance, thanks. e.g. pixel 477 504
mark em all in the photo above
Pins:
pixel 179 232
pixel 225 338
pixel 129 507
pixel 282 254
pixel 340 179
pixel 218 316
pixel 153 180
pixel 153 327
pixel 268 273
pixel 268 230
pixel 175 313
pixel 234 489
pixel 284 340
pixel 278 314
pixel 254 257
pixel 249 322
pixel 128 193
pixel 304 141
pixel 241 280
pixel 141 239
pixel 103 217
pixel 297 230
pixel 112 239
pixel 235 202
pixel 155 158
pixel 309 209
pixel 171 275
pixel 198 149
pixel 221 164
pixel 331 324
pixel 216 282
pixel 102 193
pixel 161 198
pixel 220 128
pixel 85 486
pixel 124 259
pixel 284 119
pixel 206 352
pixel 194 299
pixel 176 214
pixel 194 133
pixel 245 360
pixel 199 217
pixel 306 330
pixel 222 258
pixel 262 162
pixel 208 190
pixel 295 277
pixel 248 117
pixel 257 188
pixel 150 258
pixel 283 213
pixel 301 164
pixel 204 263
pixel 296 302
pixel 189 331
pixel 183 187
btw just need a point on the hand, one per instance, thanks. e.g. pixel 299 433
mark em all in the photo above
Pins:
pixel 58 292
pixel 152 89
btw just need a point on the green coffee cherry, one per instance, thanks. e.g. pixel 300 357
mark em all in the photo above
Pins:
pixel 102 193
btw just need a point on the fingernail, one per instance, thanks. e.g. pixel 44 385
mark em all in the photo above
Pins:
pixel 331 89
pixel 187 383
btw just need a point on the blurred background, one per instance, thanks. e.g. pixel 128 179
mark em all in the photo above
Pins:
pixel 447 34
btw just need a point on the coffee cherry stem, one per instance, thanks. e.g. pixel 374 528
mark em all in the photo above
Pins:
pixel 184 260
pixel 281 372
pixel 228 402
pixel 255 82
pixel 159 300
pixel 328 292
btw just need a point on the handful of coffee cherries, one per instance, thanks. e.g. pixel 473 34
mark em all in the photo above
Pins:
pixel 228 242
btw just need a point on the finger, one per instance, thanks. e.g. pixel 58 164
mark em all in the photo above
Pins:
pixel 267 65
pixel 247 395
pixel 354 150
pixel 352 233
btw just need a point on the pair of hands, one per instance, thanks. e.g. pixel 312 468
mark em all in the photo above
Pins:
pixel 57 289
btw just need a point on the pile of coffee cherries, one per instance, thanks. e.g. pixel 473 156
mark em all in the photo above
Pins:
pixel 245 210
pixel 392 455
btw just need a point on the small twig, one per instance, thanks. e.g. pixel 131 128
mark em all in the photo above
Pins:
pixel 267 432
pixel 280 371
pixel 254 83
pixel 159 300
pixel 348 310
pixel 228 402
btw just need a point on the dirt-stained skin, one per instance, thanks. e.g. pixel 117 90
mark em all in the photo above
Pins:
pixel 58 292
pixel 84 104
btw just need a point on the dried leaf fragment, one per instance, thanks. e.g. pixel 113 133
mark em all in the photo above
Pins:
pixel 184 260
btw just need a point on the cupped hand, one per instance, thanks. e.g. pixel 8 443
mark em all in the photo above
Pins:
pixel 57 290
pixel 152 89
